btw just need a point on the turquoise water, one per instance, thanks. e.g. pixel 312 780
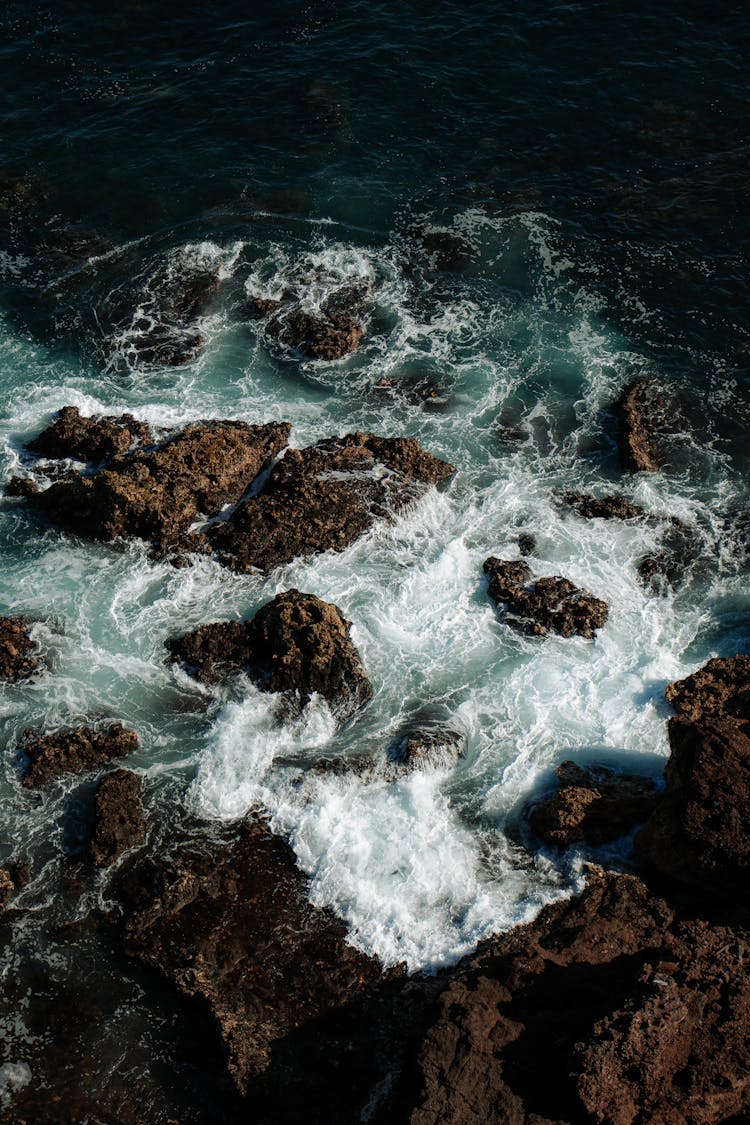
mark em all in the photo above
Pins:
pixel 593 162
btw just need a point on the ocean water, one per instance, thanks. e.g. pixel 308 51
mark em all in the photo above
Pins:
pixel 592 161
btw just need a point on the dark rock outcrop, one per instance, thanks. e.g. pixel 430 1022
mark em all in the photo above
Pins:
pixel 296 643
pixel 643 410
pixel 18 653
pixel 333 332
pixel 7 886
pixel 323 498
pixel 700 831
pixel 73 751
pixel 89 439
pixel 155 494
pixel 427 746
pixel 668 566
pixel 543 605
pixel 119 819
pixel 230 922
pixel 615 507
pixel 593 805
pixel 720 689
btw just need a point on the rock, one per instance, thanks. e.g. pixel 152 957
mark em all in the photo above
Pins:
pixel 230 922
pixel 18 653
pixel 428 746
pixel 669 565
pixel 417 389
pixel 446 249
pixel 633 1016
pixel 323 498
pixel 73 751
pixel 604 507
pixel 545 604
pixel 258 307
pixel 7 886
pixel 332 334
pixel 643 409
pixel 89 439
pixel 593 805
pixel 296 643
pixel 720 689
pixel 699 833
pixel 119 820
pixel 156 494
pixel 526 544
pixel 23 487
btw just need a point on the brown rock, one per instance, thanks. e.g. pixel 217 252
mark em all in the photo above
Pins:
pixel 89 439
pixel 720 689
pixel 643 409
pixel 323 498
pixel 594 805
pixel 602 507
pixel 156 494
pixel 230 922
pixel 319 337
pixel 18 659
pixel 119 820
pixel 25 487
pixel 73 751
pixel 296 643
pixel 545 604
pixel 700 830
pixel 7 886
pixel 431 746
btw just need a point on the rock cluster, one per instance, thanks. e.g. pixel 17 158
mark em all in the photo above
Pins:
pixel 295 644
pixel 594 805
pixel 119 819
pixel 18 659
pixel 73 751
pixel 602 507
pixel 333 332
pixel 93 439
pixel 543 605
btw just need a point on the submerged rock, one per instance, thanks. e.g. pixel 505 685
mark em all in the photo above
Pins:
pixel 720 689
pixel 296 643
pixel 230 922
pixel 333 332
pixel 323 498
pixel 700 831
pixel 18 653
pixel 73 751
pixel 543 605
pixel 119 819
pixel 592 805
pixel 603 507
pixel 155 494
pixel 427 746
pixel 644 410
pixel 669 565
pixel 94 438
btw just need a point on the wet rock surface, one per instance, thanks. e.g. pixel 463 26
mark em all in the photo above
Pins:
pixel 18 653
pixel 7 886
pixel 644 410
pixel 94 438
pixel 155 494
pixel 543 605
pixel 427 746
pixel 119 819
pixel 230 922
pixel 669 566
pixel 323 498
pixel 593 805
pixel 296 643
pixel 73 751
pixel 615 507
pixel 333 332
pixel 720 689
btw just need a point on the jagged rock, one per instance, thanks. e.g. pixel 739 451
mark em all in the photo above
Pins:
pixel 643 409
pixel 296 643
pixel 323 498
pixel 18 659
pixel 526 544
pixel 668 566
pixel 334 332
pixel 73 751
pixel 543 605
pixel 230 922
pixel 602 507
pixel 89 439
pixel 155 494
pixel 720 689
pixel 258 307
pixel 119 820
pixel 431 746
pixel 23 487
pixel 7 886
pixel 594 805
pixel 417 389
pixel 700 830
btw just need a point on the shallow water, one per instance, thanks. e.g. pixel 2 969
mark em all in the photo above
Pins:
pixel 600 208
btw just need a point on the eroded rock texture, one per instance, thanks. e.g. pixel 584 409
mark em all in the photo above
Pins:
pixel 296 643
pixel 18 653
pixel 94 438
pixel 644 411
pixel 119 819
pixel 73 751
pixel 543 605
pixel 594 805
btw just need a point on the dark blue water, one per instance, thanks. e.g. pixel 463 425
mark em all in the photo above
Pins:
pixel 590 162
